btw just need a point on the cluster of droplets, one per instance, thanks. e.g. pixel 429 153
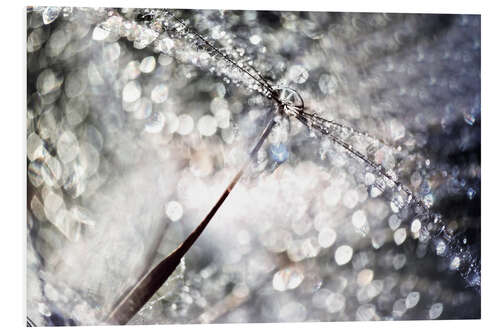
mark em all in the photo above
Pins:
pixel 165 33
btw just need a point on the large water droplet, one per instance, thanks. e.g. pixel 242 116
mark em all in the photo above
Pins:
pixel 50 14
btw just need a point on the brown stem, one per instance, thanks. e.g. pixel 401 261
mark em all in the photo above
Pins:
pixel 134 300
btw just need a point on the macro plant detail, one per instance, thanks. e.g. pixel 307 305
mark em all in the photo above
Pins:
pixel 360 200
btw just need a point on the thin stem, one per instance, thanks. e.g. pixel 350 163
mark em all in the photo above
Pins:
pixel 133 301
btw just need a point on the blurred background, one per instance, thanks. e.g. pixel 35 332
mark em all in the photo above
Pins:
pixel 134 131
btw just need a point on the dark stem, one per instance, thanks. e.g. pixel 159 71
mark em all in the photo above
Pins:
pixel 134 300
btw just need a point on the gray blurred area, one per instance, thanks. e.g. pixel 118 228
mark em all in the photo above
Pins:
pixel 133 132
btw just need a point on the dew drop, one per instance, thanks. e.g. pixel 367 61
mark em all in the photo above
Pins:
pixel 412 299
pixel 435 311
pixel 207 125
pixel 440 247
pixel 159 94
pixel 455 263
pixel 335 302
pixel 155 123
pixel 288 278
pixel 50 14
pixel 327 237
pixel 148 64
pixel 174 210
pixel 131 92
pixel 400 236
pixel 343 254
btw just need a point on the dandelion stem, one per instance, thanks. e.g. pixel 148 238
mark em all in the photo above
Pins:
pixel 134 300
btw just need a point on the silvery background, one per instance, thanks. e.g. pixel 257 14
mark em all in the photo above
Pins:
pixel 134 132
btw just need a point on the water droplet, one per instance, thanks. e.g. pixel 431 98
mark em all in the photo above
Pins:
pixel 44 310
pixel 350 199
pixel 174 210
pixel 67 147
pixel 143 108
pixel 364 277
pixel 400 236
pixel 279 152
pixel 412 299
pixel 394 222
pixel 51 171
pixel 207 125
pixel 415 226
pixel 366 312
pixel 155 123
pixel 369 178
pixel 146 36
pixel 50 14
pixel 436 310
pixel 76 110
pixel 88 159
pixel 165 45
pixel 35 147
pixel 469 118
pixel 335 302
pixel 148 64
pixel 255 39
pixel 36 39
pixel 48 81
pixel 440 247
pixel 429 200
pixel 53 203
pixel 132 71
pixel 76 83
pixel 471 193
pixel 287 279
pixel 378 239
pixel 343 254
pixel 327 84
pixel 131 92
pixel 397 203
pixel 327 237
pixel 455 263
pixel 159 94
pixel 399 308
pixel 359 222
pixel 35 173
pixel 298 74
pixel 186 124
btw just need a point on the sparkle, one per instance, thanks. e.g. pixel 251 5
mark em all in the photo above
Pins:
pixel 159 94
pixel 436 310
pixel 412 299
pixel 207 125
pixel 148 64
pixel 174 211
pixel 415 226
pixel 400 236
pixel 327 237
pixel 455 263
pixel 343 254
pixel 440 248
pixel 131 92
pixel 288 278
